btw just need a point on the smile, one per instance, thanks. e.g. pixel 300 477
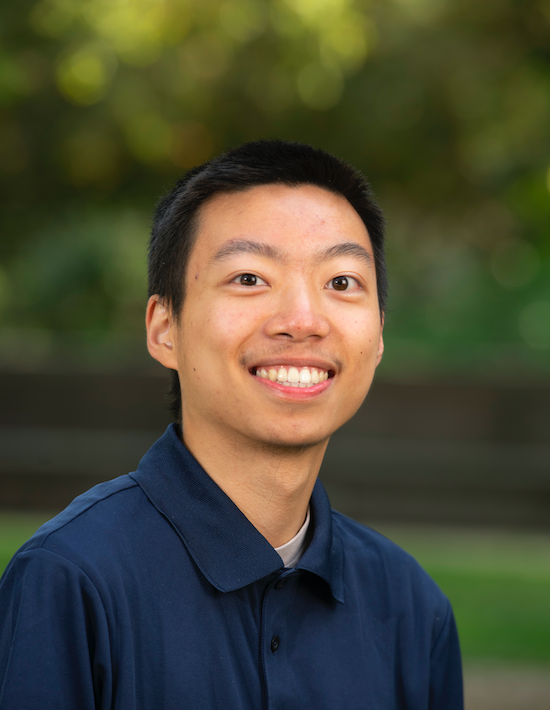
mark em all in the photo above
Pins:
pixel 290 376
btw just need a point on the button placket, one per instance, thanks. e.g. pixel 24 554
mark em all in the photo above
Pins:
pixel 277 673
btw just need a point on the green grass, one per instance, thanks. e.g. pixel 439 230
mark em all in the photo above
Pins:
pixel 15 529
pixel 498 583
pixel 500 616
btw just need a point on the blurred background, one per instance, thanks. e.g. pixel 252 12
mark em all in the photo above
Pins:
pixel 445 106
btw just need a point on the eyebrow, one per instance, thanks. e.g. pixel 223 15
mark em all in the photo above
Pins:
pixel 248 246
pixel 346 249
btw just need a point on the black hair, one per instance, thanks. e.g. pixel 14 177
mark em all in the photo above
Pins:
pixel 264 162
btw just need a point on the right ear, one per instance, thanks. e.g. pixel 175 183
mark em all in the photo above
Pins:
pixel 161 333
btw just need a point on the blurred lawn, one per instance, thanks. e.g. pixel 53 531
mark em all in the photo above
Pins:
pixel 498 583
pixel 15 529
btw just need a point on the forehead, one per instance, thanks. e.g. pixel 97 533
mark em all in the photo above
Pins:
pixel 289 218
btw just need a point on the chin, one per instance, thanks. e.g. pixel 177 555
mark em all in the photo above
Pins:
pixel 292 442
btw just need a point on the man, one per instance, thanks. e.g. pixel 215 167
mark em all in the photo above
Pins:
pixel 216 575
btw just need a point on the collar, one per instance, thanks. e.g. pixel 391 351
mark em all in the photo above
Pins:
pixel 292 550
pixel 223 543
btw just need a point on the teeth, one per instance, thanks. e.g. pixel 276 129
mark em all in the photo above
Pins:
pixel 292 376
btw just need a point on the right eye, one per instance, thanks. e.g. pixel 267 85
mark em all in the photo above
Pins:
pixel 248 280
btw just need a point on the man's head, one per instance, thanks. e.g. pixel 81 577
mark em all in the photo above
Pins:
pixel 264 210
pixel 250 165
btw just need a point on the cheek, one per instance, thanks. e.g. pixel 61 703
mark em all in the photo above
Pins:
pixel 361 336
pixel 363 359
pixel 231 325
pixel 222 328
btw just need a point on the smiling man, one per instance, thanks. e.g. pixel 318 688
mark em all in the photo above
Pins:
pixel 216 575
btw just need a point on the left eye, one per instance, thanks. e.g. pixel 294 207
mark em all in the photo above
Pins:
pixel 342 283
pixel 248 280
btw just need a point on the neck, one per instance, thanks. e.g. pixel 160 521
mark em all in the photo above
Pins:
pixel 271 485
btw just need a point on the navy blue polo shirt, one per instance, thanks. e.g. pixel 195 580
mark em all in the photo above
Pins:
pixel 154 592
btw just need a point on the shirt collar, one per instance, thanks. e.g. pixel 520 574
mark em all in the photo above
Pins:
pixel 224 544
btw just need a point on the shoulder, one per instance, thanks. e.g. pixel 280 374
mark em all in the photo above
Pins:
pixel 374 562
pixel 363 541
pixel 88 508
pixel 98 527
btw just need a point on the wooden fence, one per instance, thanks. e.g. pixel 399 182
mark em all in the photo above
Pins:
pixel 443 453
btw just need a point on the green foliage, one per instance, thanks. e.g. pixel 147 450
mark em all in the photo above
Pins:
pixel 86 272
pixel 445 105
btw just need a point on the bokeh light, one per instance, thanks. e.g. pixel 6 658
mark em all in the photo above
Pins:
pixel 514 263
pixel 534 324
pixel 444 106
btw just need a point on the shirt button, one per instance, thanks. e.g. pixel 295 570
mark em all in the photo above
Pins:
pixel 280 584
pixel 274 643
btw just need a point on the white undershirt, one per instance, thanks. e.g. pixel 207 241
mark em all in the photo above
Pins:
pixel 292 550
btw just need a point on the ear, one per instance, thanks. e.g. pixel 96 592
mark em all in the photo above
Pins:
pixel 161 333
pixel 380 341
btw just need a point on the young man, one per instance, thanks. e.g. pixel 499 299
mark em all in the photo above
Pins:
pixel 217 575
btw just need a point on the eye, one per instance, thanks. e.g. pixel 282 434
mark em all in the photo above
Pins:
pixel 342 283
pixel 248 280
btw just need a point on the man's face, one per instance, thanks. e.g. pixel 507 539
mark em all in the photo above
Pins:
pixel 281 287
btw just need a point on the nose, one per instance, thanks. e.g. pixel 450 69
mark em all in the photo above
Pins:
pixel 299 315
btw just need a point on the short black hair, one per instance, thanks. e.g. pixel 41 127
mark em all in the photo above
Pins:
pixel 263 162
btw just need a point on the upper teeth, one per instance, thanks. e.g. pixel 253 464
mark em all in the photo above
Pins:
pixel 292 376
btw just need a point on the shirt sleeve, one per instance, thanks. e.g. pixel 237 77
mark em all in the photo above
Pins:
pixel 53 636
pixel 446 691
